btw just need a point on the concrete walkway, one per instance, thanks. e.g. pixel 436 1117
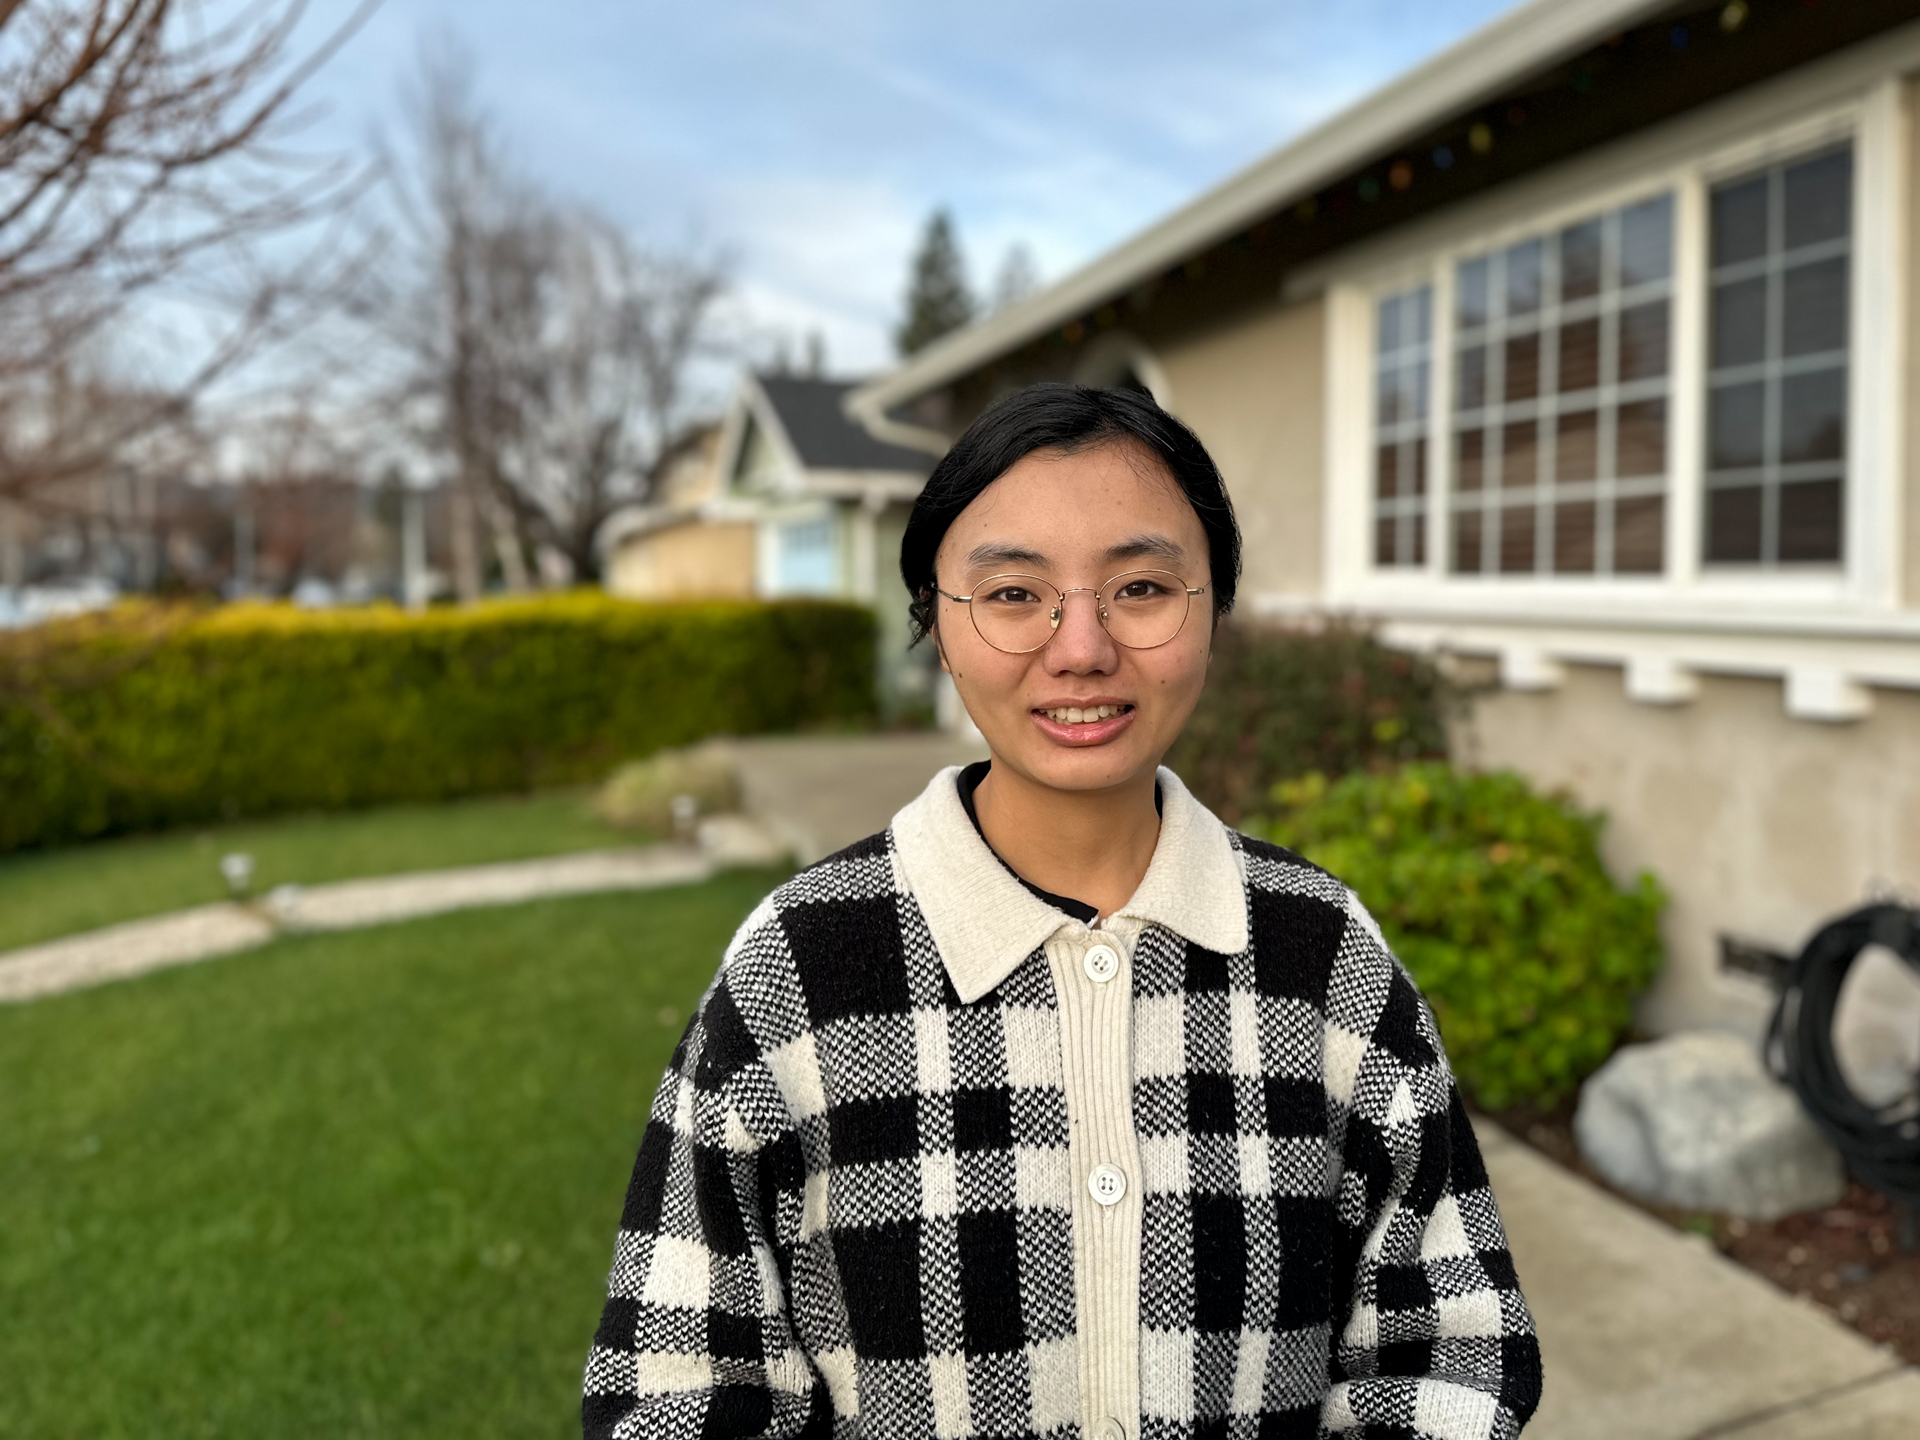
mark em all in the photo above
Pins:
pixel 138 946
pixel 1648 1334
pixel 1651 1334
pixel 805 798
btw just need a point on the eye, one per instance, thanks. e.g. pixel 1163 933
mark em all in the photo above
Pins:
pixel 1141 590
pixel 1012 595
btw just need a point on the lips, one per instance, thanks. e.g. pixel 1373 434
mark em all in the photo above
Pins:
pixel 1087 723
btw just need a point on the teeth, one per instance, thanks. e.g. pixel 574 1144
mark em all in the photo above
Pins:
pixel 1075 715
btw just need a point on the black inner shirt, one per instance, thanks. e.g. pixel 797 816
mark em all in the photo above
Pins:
pixel 968 781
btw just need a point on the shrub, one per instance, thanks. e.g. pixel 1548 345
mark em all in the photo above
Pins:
pixel 1496 900
pixel 1282 702
pixel 640 795
pixel 151 715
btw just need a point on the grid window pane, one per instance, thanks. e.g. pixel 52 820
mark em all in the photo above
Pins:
pixel 1640 439
pixel 1386 541
pixel 1560 399
pixel 1523 267
pixel 1809 519
pixel 1646 242
pixel 1819 199
pixel 1643 342
pixel 1579 355
pixel 1740 323
pixel 1576 448
pixel 1777 383
pixel 1640 535
pixel 1814 308
pixel 1467 527
pixel 1573 538
pixel 1740 222
pixel 1733 523
pixel 1470 295
pixel 1523 368
pixel 1813 417
pixel 1470 378
pixel 1516 541
pixel 1736 426
pixel 1402 335
pixel 1520 455
pixel 1469 462
pixel 1580 261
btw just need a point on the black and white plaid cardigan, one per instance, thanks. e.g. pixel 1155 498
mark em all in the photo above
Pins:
pixel 859 1204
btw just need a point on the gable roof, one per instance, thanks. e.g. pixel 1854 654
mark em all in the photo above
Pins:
pixel 1518 44
pixel 813 416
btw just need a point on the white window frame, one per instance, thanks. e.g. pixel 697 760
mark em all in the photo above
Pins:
pixel 1860 100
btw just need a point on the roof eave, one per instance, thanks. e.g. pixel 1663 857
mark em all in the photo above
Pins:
pixel 1505 50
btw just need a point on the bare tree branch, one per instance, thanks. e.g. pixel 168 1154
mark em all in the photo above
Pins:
pixel 138 139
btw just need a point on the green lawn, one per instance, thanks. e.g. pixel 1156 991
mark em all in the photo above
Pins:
pixel 350 1185
pixel 44 894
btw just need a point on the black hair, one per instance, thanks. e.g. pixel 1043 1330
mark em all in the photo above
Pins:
pixel 1069 418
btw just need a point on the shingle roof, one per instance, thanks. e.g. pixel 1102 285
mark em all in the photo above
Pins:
pixel 825 438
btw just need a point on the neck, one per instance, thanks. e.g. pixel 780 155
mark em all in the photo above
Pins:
pixel 1092 845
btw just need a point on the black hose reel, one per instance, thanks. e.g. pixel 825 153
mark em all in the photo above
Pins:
pixel 1880 1143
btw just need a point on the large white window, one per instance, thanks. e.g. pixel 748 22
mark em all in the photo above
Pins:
pixel 1666 420
pixel 1680 382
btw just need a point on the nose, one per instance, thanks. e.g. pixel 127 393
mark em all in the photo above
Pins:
pixel 1080 643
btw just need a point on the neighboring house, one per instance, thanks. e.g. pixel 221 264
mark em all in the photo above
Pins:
pixel 690 543
pixel 786 496
pixel 1585 354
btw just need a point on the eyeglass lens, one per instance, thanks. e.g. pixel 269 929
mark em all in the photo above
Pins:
pixel 1140 609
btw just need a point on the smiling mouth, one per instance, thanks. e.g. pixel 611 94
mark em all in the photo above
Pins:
pixel 1077 715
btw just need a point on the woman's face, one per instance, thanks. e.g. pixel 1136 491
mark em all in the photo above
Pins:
pixel 1077 520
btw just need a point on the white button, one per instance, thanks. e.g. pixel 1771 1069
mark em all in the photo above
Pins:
pixel 1108 1429
pixel 1107 1183
pixel 1102 963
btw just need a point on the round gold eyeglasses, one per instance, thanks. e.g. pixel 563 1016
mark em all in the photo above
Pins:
pixel 1141 609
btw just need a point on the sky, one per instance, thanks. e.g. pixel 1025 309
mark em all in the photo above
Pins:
pixel 808 140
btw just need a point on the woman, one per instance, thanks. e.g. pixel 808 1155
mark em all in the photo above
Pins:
pixel 1058 1108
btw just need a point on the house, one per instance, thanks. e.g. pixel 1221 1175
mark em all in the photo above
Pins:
pixel 786 496
pixel 1584 355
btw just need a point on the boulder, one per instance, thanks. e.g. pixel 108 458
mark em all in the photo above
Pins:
pixel 1695 1121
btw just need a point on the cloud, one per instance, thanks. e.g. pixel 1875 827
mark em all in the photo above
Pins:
pixel 810 138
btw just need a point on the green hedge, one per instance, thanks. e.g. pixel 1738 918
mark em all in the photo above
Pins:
pixel 149 716
pixel 1496 900
pixel 1283 701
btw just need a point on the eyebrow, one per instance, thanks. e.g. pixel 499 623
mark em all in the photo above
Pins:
pixel 1146 546
pixel 1001 553
pixel 1137 547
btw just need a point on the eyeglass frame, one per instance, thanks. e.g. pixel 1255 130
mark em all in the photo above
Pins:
pixel 1060 610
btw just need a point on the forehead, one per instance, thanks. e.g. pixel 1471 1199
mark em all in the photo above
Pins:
pixel 1070 506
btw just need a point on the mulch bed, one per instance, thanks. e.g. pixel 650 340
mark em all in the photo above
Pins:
pixel 1846 1258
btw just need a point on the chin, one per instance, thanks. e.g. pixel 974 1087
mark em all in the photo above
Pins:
pixel 1093 768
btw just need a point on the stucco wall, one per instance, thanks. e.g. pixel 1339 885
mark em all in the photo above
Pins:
pixel 708 561
pixel 1254 393
pixel 1759 825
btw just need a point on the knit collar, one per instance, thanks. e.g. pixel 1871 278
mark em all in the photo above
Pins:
pixel 985 922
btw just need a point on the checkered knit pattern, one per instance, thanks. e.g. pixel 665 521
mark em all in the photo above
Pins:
pixel 851 1212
